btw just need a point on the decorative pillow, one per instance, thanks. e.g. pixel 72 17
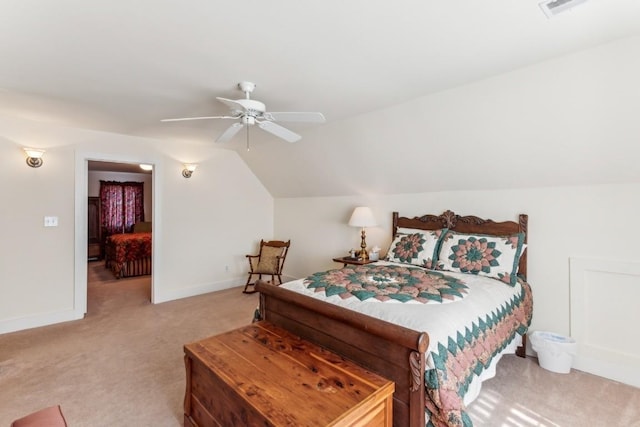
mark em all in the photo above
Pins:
pixel 492 256
pixel 415 246
pixel 268 263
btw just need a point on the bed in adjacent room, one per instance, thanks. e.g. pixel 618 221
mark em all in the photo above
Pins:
pixel 435 317
pixel 129 254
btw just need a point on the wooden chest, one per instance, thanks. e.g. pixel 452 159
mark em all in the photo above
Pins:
pixel 263 375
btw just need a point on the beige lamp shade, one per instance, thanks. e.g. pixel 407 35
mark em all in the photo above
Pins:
pixel 362 217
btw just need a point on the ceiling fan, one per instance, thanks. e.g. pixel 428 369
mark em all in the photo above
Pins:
pixel 250 112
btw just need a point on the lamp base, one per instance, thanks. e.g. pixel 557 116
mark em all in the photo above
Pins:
pixel 363 255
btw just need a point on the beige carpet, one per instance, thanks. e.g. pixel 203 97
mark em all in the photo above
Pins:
pixel 123 366
pixel 120 366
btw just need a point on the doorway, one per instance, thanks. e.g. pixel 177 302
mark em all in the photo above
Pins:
pixel 83 190
pixel 119 213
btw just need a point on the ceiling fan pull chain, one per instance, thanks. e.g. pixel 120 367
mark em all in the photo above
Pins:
pixel 247 126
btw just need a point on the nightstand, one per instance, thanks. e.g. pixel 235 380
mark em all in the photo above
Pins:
pixel 352 261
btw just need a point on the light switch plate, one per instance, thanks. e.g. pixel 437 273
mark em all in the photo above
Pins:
pixel 50 221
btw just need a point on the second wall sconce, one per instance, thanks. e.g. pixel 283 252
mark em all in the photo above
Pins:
pixel 188 169
pixel 34 157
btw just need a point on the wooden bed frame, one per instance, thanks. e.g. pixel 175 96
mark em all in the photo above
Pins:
pixel 392 351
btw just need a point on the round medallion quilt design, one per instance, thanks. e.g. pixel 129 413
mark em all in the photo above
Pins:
pixel 408 247
pixel 473 255
pixel 388 283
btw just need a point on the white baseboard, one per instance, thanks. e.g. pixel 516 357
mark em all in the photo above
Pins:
pixel 624 371
pixel 37 320
pixel 174 294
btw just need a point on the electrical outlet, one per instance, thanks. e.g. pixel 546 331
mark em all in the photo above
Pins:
pixel 226 268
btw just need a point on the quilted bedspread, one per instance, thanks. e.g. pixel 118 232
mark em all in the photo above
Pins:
pixel 128 247
pixel 388 282
pixel 468 353
pixel 475 321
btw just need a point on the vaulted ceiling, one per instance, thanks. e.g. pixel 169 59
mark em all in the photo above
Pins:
pixel 122 66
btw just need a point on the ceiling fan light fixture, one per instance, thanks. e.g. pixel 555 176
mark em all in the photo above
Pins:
pixel 248 120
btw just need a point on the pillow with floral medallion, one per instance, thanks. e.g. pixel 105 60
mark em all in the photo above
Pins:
pixel 492 256
pixel 415 246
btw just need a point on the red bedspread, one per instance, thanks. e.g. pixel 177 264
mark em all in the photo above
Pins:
pixel 123 248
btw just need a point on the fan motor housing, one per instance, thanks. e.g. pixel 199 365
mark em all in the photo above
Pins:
pixel 252 106
pixel 248 120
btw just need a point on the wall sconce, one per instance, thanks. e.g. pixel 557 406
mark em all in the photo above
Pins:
pixel 188 169
pixel 362 217
pixel 34 157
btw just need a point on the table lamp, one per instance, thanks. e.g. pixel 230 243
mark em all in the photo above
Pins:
pixel 362 217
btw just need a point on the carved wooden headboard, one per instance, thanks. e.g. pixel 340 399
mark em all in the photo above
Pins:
pixel 467 224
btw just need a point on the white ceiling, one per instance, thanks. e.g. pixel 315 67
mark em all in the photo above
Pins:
pixel 121 66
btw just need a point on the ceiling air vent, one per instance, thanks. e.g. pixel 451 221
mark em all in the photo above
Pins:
pixel 553 7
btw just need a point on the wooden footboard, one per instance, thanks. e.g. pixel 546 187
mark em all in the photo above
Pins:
pixel 392 351
pixel 138 267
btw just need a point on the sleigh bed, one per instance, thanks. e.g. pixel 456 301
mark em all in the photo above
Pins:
pixel 433 338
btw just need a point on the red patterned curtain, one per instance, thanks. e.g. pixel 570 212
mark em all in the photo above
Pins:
pixel 122 206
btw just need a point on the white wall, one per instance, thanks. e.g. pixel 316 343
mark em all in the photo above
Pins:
pixel 581 221
pixel 568 121
pixel 201 225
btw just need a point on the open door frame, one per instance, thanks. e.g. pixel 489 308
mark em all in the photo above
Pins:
pixel 80 221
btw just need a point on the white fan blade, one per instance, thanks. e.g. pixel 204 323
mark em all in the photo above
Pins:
pixel 279 131
pixel 295 117
pixel 234 105
pixel 229 133
pixel 182 119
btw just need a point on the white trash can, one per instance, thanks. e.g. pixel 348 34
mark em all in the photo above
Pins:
pixel 555 352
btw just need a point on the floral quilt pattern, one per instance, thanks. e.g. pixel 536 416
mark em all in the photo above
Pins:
pixel 417 248
pixel 388 282
pixel 408 247
pixel 474 254
pixel 122 248
pixel 467 354
pixel 491 256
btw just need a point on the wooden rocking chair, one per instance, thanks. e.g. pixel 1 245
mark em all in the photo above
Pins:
pixel 269 262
